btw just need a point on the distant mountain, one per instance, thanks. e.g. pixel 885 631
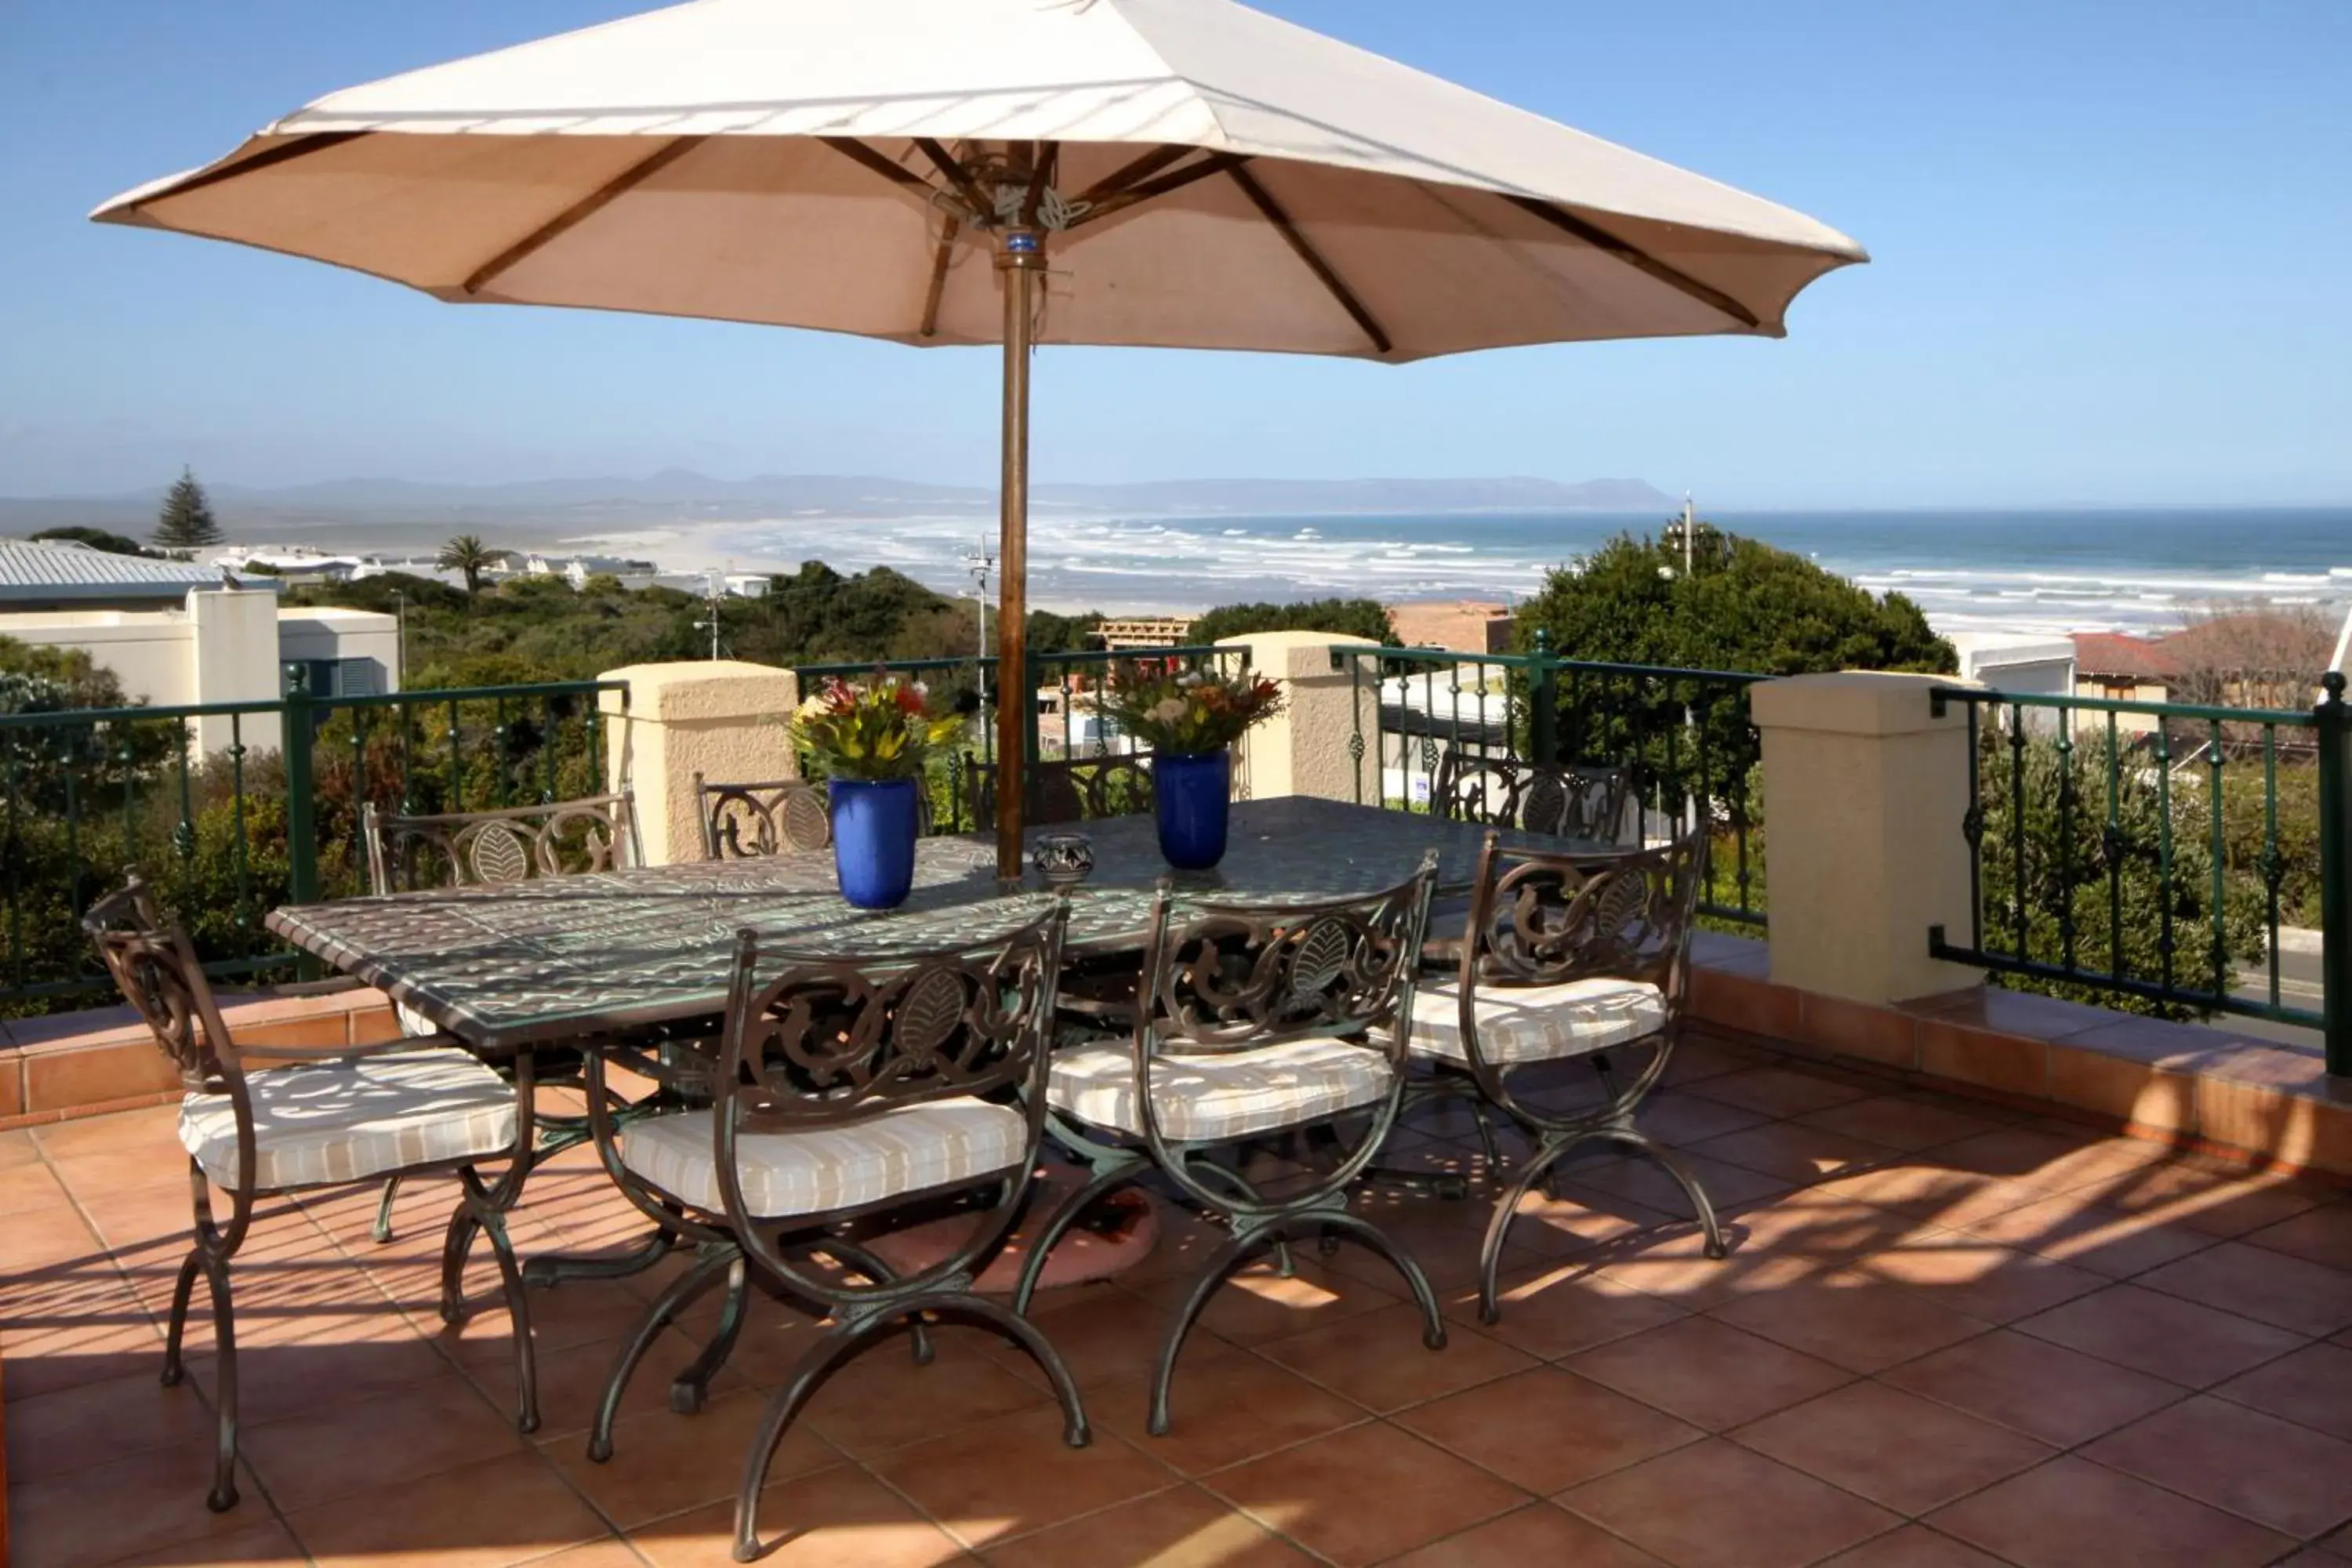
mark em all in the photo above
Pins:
pixel 665 495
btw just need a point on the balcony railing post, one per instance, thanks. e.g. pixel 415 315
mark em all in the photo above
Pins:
pixel 301 819
pixel 2333 723
pixel 1543 701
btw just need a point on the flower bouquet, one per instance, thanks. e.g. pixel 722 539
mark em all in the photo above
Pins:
pixel 1191 719
pixel 871 739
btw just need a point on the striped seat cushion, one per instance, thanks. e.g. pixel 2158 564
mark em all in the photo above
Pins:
pixel 348 1119
pixel 1536 1023
pixel 910 1150
pixel 1214 1098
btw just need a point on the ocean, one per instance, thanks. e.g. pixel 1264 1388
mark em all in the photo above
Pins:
pixel 2040 571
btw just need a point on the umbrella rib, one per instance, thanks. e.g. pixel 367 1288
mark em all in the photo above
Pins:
pixel 857 151
pixel 1274 213
pixel 1151 164
pixel 1041 175
pixel 1119 201
pixel 939 262
pixel 579 212
pixel 301 146
pixel 958 175
pixel 1633 255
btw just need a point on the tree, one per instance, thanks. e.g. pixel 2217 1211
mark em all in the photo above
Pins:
pixel 1050 632
pixel 2106 871
pixel 2260 655
pixel 97 539
pixel 1352 617
pixel 186 521
pixel 467 555
pixel 1741 606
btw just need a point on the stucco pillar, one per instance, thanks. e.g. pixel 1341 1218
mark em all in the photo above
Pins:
pixel 1864 788
pixel 233 642
pixel 723 719
pixel 1304 749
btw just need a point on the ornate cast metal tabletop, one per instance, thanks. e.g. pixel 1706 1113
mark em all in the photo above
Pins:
pixel 566 956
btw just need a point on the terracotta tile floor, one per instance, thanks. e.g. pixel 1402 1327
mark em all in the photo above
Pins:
pixel 1948 1335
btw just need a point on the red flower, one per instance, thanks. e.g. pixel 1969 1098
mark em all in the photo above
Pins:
pixel 908 700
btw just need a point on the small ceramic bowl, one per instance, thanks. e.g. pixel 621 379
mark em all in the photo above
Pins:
pixel 1064 859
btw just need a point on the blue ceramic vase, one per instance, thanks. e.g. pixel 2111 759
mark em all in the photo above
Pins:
pixel 1193 797
pixel 874 823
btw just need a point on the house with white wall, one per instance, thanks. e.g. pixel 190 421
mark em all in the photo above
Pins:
pixel 177 635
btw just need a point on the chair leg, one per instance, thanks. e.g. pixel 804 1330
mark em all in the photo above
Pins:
pixel 836 1346
pixel 490 1219
pixel 1220 1264
pixel 1099 1186
pixel 223 1495
pixel 682 1291
pixel 382 1231
pixel 1031 1338
pixel 1538 1168
pixel 1432 1325
pixel 690 1388
pixel 866 1263
pixel 1673 1166
pixel 182 1288
pixel 455 1245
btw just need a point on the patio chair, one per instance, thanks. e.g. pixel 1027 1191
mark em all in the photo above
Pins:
pixel 1564 800
pixel 270 1122
pixel 1564 957
pixel 1252 1021
pixel 752 821
pixel 852 1096
pixel 1067 789
pixel 491 848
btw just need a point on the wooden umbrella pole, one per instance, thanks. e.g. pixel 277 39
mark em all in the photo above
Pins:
pixel 1021 258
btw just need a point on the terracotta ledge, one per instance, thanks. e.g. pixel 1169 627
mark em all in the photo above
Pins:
pixel 2252 1100
pixel 84 1064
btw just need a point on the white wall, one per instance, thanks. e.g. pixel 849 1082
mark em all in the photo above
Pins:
pixel 218 647
pixel 148 650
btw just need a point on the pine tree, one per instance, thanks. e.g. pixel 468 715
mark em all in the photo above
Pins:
pixel 187 520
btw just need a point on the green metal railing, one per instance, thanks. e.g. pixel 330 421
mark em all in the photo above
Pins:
pixel 1072 722
pixel 2159 851
pixel 1683 736
pixel 232 808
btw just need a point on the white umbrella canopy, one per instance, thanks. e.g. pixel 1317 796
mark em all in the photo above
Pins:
pixel 1194 173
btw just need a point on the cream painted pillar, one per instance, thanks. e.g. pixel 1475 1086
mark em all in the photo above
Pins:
pixel 1304 750
pixel 1864 788
pixel 233 645
pixel 723 719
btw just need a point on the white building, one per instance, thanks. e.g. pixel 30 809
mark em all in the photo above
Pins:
pixel 2013 661
pixel 178 635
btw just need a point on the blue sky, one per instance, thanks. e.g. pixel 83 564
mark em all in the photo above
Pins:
pixel 2110 242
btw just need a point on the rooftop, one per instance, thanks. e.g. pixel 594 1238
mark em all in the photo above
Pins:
pixel 1949 1332
pixel 43 571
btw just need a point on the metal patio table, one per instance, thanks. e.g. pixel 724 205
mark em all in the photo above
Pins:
pixel 609 951
pixel 607 955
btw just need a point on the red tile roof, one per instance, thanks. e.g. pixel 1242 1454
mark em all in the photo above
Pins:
pixel 2114 655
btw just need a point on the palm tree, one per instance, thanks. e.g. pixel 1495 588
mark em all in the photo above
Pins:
pixel 469 554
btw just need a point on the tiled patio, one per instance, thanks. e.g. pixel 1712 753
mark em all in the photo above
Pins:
pixel 1948 1335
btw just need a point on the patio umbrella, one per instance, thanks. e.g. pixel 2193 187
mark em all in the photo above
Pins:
pixel 1189 173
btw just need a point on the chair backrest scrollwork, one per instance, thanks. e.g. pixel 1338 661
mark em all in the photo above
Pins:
pixel 152 963
pixel 1541 919
pixel 752 821
pixel 489 848
pixel 836 1041
pixel 1555 799
pixel 1067 789
pixel 1233 976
